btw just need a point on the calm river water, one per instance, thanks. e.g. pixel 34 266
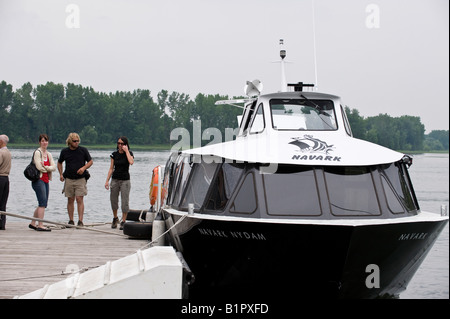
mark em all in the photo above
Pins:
pixel 430 175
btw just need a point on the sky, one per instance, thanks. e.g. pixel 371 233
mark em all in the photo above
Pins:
pixel 380 56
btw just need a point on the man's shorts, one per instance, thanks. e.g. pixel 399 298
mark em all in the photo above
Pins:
pixel 75 187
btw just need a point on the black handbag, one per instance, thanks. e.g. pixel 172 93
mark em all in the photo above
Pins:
pixel 31 172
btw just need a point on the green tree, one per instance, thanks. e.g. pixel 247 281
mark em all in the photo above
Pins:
pixel 73 116
pixel 385 127
pixel 412 132
pixel 6 98
pixel 117 114
pixel 59 110
pixel 49 111
pixel 431 144
pixel 181 109
pixel 221 117
pixel 147 115
pixel 95 105
pixel 89 135
pixel 357 123
pixel 20 114
pixel 441 136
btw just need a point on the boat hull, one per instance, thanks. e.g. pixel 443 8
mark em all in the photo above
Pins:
pixel 236 259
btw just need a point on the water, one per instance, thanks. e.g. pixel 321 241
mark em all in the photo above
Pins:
pixel 430 176
pixel 429 172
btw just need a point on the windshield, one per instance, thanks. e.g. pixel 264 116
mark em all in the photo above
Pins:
pixel 303 114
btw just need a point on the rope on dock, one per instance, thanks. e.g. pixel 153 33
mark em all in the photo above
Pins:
pixel 61 224
pixel 163 234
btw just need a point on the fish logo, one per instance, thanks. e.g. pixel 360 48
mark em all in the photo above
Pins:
pixel 310 144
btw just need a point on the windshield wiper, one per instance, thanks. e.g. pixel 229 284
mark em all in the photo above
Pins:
pixel 317 107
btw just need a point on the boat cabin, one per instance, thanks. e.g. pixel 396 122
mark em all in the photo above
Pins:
pixel 294 158
pixel 294 111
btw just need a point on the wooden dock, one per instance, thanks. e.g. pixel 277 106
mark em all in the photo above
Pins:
pixel 29 259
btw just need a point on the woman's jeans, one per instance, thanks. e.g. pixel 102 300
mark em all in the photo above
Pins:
pixel 42 191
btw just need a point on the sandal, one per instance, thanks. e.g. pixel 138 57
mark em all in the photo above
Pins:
pixel 42 229
pixel 32 227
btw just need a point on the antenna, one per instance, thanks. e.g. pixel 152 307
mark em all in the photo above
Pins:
pixel 282 52
pixel 283 73
pixel 314 39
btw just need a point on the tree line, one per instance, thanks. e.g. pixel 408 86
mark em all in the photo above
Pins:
pixel 405 133
pixel 100 118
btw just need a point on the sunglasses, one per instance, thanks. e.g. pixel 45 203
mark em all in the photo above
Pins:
pixel 75 141
pixel 120 143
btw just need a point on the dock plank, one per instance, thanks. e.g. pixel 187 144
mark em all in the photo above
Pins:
pixel 29 260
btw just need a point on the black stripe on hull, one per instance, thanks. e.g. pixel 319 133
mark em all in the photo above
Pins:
pixel 239 260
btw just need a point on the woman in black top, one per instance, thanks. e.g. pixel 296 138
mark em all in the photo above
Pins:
pixel 121 160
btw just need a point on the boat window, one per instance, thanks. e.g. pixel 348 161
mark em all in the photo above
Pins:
pixel 258 123
pixel 168 177
pixel 245 200
pixel 202 175
pixel 232 174
pixel 184 170
pixel 347 126
pixel 303 114
pixel 292 191
pixel 395 185
pixel 224 185
pixel 351 191
pixel 176 167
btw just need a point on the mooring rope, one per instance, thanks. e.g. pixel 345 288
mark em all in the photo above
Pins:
pixel 163 234
pixel 61 224
pixel 93 229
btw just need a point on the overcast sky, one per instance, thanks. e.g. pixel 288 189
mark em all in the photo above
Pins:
pixel 380 56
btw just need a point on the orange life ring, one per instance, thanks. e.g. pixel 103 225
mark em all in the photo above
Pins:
pixel 154 186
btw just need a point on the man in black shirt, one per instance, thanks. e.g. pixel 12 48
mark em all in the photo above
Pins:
pixel 75 175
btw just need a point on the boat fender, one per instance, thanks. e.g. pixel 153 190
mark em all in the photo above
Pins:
pixel 154 186
pixel 159 227
pixel 137 215
pixel 139 230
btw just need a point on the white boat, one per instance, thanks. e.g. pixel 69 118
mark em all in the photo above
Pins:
pixel 295 206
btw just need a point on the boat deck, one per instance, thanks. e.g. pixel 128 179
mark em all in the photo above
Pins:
pixel 29 259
